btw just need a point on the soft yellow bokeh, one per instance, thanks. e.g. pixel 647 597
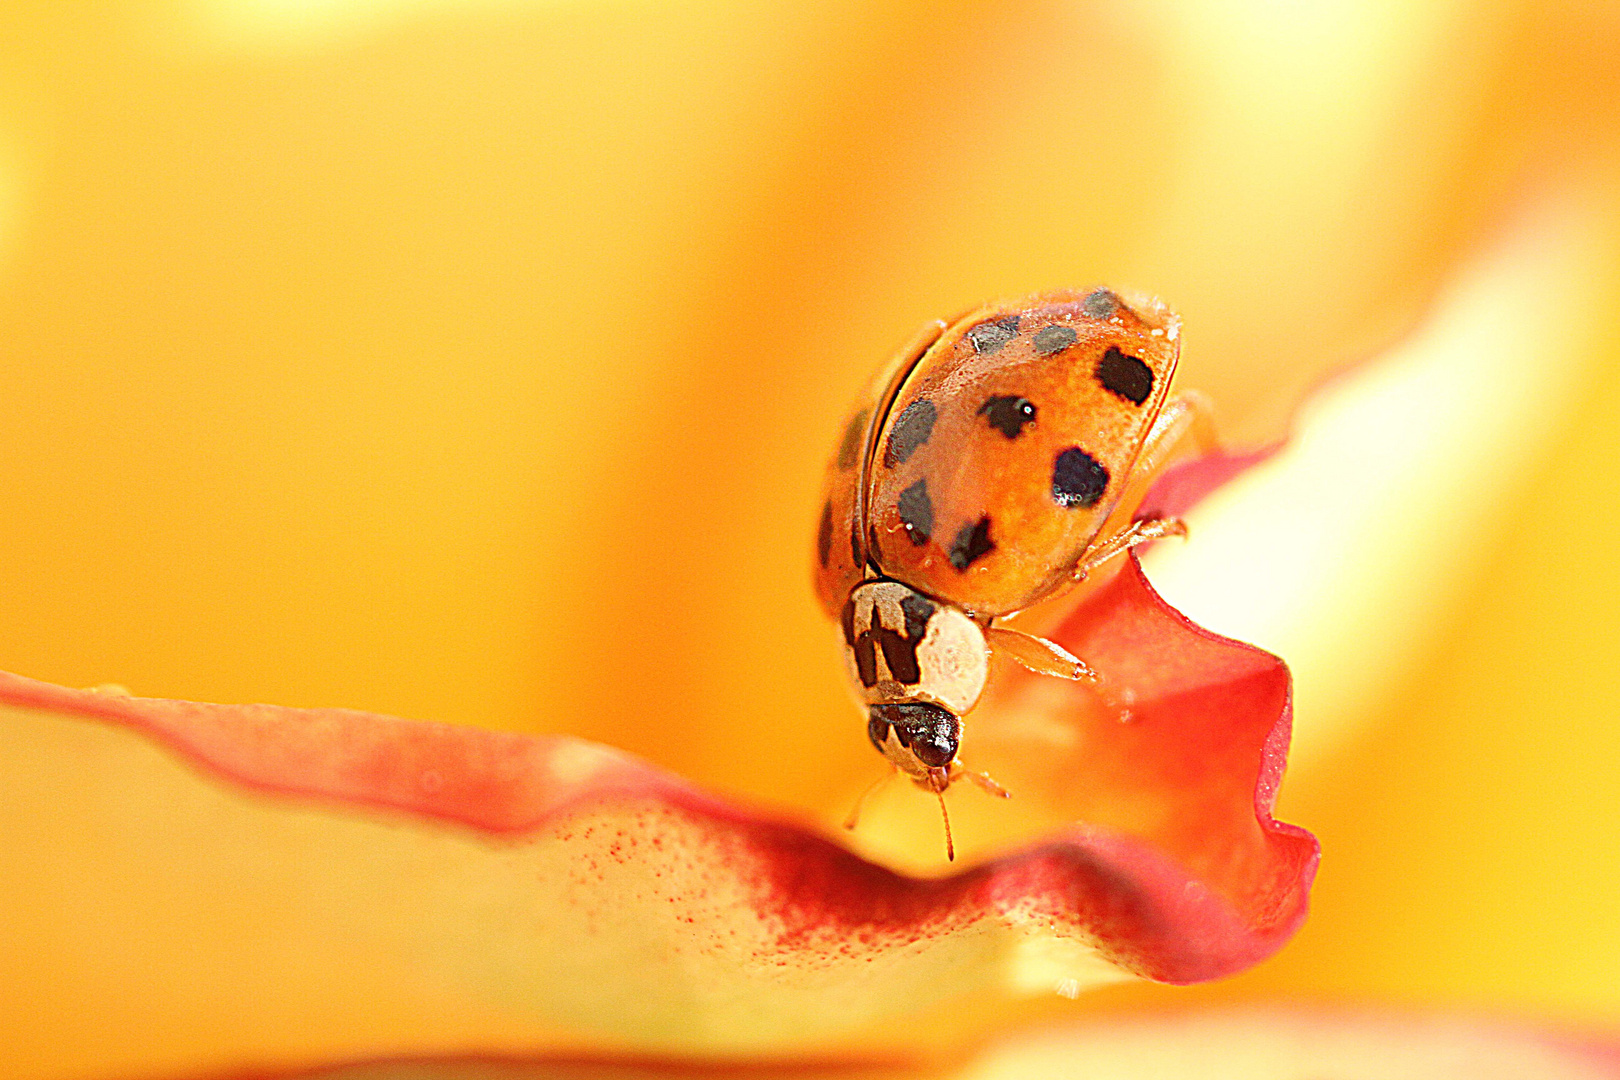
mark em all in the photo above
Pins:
pixel 1455 744
pixel 477 362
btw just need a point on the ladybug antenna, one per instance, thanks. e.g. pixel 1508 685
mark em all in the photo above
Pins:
pixel 860 801
pixel 950 848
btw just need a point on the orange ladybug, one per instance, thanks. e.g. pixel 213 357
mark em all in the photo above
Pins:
pixel 994 463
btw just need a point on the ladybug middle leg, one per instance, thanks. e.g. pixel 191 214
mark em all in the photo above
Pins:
pixel 1184 431
pixel 1137 532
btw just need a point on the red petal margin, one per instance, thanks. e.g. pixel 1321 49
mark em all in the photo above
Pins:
pixel 1256 1042
pixel 1179 785
pixel 776 914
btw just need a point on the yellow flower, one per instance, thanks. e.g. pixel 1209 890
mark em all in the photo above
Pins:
pixel 477 362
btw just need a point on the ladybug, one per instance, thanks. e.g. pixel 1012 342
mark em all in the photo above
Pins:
pixel 992 464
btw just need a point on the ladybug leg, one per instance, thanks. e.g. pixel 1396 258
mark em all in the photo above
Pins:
pixel 1038 654
pixel 984 783
pixel 854 817
pixel 1185 429
pixel 1137 532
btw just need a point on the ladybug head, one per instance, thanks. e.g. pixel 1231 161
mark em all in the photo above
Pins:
pixel 917 736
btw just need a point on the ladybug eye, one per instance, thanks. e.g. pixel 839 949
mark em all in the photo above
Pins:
pixel 934 747
pixel 877 729
pixel 930 732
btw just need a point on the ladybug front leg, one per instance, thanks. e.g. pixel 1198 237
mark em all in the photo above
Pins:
pixel 1038 654
pixel 1138 532
pixel 854 817
pixel 981 780
pixel 1184 431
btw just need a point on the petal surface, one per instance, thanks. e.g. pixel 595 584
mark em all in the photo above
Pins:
pixel 1263 1042
pixel 220 884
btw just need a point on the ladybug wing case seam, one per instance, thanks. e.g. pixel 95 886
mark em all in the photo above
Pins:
pixel 917 348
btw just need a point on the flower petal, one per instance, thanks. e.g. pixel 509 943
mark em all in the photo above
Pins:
pixel 1173 770
pixel 298 885
pixel 1251 1043
pixel 1260 1043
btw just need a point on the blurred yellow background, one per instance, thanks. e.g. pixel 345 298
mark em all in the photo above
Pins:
pixel 478 361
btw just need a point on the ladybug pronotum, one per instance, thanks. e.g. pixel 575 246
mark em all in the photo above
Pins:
pixel 992 464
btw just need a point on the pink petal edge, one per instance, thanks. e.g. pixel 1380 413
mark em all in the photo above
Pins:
pixel 1264 1040
pixel 1140 908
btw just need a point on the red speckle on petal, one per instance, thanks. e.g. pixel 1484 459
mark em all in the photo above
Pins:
pixel 1169 864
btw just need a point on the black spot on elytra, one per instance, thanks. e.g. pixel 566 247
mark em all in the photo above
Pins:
pixel 1078 479
pixel 1100 304
pixel 846 620
pixel 849 449
pixel 911 429
pixel 824 534
pixel 1009 414
pixel 987 337
pixel 917 610
pixel 1125 377
pixel 972 543
pixel 917 512
pixel 1054 339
